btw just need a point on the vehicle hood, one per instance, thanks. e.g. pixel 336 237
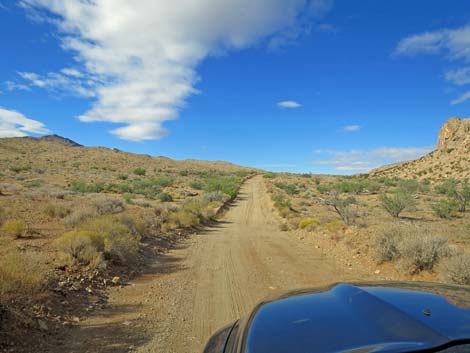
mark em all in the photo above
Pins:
pixel 398 317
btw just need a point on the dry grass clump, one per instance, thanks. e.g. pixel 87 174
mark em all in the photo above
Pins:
pixel 114 238
pixel 79 216
pixel 80 247
pixel 22 277
pixel 56 211
pixel 309 223
pixel 106 205
pixel 14 228
pixel 457 269
pixel 387 243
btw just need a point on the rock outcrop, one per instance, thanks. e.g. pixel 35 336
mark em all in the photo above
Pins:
pixel 454 134
pixel 450 159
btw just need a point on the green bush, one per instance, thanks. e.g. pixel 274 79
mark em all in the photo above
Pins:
pixel 269 175
pixel 290 189
pixel 18 169
pixel 214 196
pixel 165 197
pixel 447 187
pixel 123 176
pixel 140 171
pixel 445 208
pixel 409 186
pixel 397 203
pixel 83 187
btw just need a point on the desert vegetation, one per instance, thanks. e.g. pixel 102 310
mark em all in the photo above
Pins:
pixel 421 228
pixel 74 220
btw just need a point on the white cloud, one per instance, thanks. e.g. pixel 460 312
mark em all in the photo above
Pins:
pixel 68 80
pixel 13 86
pixel 289 104
pixel 352 128
pixel 463 98
pixel 365 160
pixel 459 77
pixel 453 43
pixel 15 124
pixel 141 56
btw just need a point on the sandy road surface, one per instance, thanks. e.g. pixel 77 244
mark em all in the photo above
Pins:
pixel 210 280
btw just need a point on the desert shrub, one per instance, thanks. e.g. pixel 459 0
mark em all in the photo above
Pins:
pixel 197 184
pixel 140 171
pixel 183 172
pixel 410 186
pixel 22 278
pixel 213 196
pixel 200 209
pixel 3 215
pixel 422 252
pixel 309 223
pixel 123 176
pixel 83 187
pixel 108 206
pixel 117 241
pixel 345 207
pixel 165 197
pixel 445 208
pixel 462 196
pixel 290 189
pixel 334 227
pixel 35 183
pixel 163 181
pixel 226 184
pixel 457 269
pixel 280 201
pixel 79 216
pixel 20 168
pixel 397 203
pixel 56 211
pixel 80 247
pixel 14 228
pixel 283 227
pixel 447 187
pixel 387 245
pixel 269 175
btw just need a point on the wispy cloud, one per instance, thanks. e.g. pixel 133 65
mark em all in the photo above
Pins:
pixel 463 98
pixel 15 124
pixel 365 160
pixel 352 128
pixel 289 104
pixel 454 44
pixel 140 58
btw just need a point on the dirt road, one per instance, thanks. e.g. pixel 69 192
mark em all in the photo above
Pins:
pixel 214 277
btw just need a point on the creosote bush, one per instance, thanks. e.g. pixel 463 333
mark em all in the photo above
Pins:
pixel 14 228
pixel 140 171
pixel 108 206
pixel 387 244
pixel 397 203
pixel 445 208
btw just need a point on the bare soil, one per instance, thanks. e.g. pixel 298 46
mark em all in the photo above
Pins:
pixel 207 281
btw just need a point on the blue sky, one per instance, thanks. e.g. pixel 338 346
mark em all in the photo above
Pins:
pixel 286 85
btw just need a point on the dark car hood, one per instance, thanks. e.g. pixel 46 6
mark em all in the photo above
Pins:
pixel 365 318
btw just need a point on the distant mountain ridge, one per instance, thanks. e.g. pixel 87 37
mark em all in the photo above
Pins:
pixel 450 159
pixel 57 139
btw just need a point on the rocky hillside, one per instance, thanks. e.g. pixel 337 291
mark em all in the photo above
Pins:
pixel 450 159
